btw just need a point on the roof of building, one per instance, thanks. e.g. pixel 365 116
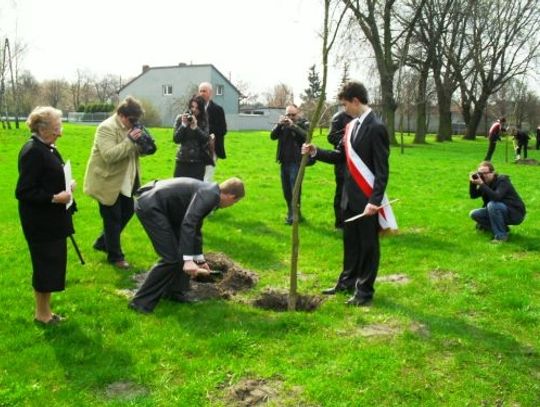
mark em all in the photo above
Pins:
pixel 147 68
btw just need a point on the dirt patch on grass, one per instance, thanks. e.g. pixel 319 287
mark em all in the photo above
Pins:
pixel 279 301
pixel 250 392
pixel 379 330
pixel 394 278
pixel 226 280
pixel 527 161
pixel 442 275
pixel 125 390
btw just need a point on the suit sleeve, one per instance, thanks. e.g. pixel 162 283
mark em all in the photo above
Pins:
pixel 380 146
pixel 221 122
pixel 191 242
pixel 110 150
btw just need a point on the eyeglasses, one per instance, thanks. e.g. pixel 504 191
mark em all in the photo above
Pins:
pixel 484 173
pixel 290 114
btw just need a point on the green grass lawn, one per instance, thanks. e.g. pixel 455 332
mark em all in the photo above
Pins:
pixel 463 331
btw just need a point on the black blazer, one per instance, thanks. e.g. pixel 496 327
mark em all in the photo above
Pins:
pixel 372 144
pixel 218 126
pixel 41 175
pixel 185 202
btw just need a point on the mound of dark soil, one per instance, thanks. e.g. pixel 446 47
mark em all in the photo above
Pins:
pixel 227 279
pixel 278 301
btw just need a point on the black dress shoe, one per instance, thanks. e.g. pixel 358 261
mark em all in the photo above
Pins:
pixel 334 290
pixel 184 298
pixel 139 308
pixel 359 301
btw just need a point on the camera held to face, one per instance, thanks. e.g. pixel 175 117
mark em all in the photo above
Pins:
pixel 145 142
pixel 189 116
pixel 476 176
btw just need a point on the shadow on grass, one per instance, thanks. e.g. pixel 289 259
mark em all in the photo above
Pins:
pixel 472 339
pixel 86 359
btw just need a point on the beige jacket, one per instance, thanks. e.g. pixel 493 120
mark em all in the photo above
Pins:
pixel 111 153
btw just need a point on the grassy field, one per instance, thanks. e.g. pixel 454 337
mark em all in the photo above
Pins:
pixel 461 328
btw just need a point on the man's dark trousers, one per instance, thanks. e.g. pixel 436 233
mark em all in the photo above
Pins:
pixel 166 277
pixel 362 254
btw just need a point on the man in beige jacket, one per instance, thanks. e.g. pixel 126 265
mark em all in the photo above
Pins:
pixel 112 175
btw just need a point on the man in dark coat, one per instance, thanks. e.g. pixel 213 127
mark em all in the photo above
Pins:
pixel 290 132
pixel 335 136
pixel 502 204
pixel 172 212
pixel 217 126
pixel 365 148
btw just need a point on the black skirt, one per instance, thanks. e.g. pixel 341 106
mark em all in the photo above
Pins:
pixel 49 261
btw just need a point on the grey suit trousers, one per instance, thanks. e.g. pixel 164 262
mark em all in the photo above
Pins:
pixel 166 277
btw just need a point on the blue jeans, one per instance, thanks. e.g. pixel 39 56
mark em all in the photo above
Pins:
pixel 493 217
pixel 289 172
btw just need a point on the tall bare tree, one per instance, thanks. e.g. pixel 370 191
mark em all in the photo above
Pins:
pixel 55 93
pixel 280 96
pixel 503 41
pixel 388 26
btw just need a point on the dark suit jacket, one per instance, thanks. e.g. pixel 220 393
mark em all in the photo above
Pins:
pixel 185 202
pixel 218 126
pixel 41 175
pixel 372 144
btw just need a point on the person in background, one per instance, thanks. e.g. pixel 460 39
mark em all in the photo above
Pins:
pixel 521 143
pixel 113 174
pixel 538 137
pixel 46 222
pixel 494 135
pixel 217 127
pixel 290 132
pixel 191 132
pixel 335 136
pixel 172 213
pixel 502 204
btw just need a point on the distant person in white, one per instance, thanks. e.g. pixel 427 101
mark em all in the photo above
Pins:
pixel 217 128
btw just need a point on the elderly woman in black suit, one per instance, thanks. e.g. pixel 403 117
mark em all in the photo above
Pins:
pixel 191 132
pixel 42 196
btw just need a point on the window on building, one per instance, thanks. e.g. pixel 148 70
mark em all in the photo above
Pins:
pixel 166 90
pixel 219 90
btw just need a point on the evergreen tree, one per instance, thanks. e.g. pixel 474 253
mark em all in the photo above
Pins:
pixel 313 92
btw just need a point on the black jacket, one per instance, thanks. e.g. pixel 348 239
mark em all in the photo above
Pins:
pixel 185 202
pixel 372 145
pixel 194 146
pixel 501 190
pixel 41 175
pixel 337 128
pixel 217 126
pixel 290 140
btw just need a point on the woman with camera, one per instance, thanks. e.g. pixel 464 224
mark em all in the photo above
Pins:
pixel 191 132
pixel 46 222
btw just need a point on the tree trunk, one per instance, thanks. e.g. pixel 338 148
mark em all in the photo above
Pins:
pixel 421 106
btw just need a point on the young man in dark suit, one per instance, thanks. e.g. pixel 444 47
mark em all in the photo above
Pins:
pixel 217 127
pixel 172 212
pixel 365 149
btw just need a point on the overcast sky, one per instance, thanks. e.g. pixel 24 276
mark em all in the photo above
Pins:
pixel 259 42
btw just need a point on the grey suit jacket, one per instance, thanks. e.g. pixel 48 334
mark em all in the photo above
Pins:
pixel 184 203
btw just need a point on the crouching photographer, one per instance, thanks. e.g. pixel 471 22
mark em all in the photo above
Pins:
pixel 191 132
pixel 502 204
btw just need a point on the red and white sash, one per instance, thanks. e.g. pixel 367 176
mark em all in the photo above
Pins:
pixel 364 178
